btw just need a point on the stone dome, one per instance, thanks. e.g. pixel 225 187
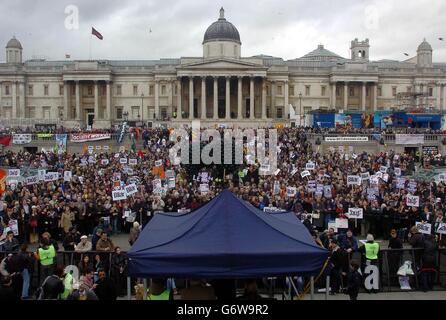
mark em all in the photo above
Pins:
pixel 222 30
pixel 424 46
pixel 14 44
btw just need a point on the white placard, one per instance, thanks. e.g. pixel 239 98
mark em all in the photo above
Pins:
pixel 13 172
pixel 341 223
pixel 91 159
pixel 400 183
pixel 158 163
pixel 131 189
pixel 355 213
pixel 204 188
pixel 116 155
pixel 294 172
pixel 264 168
pixel 32 180
pixel 119 194
pixel 327 192
pixel 379 174
pixel 275 172
pixel 425 228
pixel 272 210
pixel 397 172
pixel 383 169
pixel 365 176
pixel 354 156
pixel 133 162
pixel 442 177
pixel 291 191
pixel 310 166
pixel 67 175
pixel 105 162
pixel 51 176
pixel 332 225
pixel 305 173
pixel 123 160
pixel 385 177
pixel 412 201
pixel 441 228
pixel 353 180
pixel 156 183
pixel 171 183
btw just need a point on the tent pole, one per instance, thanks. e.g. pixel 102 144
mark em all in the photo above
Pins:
pixel 144 281
pixel 312 287
pixel 129 289
pixel 327 287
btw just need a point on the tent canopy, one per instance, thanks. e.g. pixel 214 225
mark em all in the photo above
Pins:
pixel 225 238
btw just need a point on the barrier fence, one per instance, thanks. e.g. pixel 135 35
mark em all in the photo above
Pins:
pixel 390 260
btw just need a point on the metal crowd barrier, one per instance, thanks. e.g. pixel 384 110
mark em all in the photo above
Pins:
pixel 390 260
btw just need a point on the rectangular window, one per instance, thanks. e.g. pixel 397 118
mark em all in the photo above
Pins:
pixel 409 89
pixel 30 112
pixel 279 90
pixel 30 90
pixel 7 90
pixel 291 91
pixel 119 112
pixel 45 90
pixel 60 112
pixel 307 90
pixel 367 91
pixel 338 92
pixel 119 90
pixel 352 92
pixel 46 111
pixel 323 89
pixel 163 90
pixel 431 92
pixel 135 112
pixel 151 90
pixel 60 89
pixel 307 109
pixel 135 89
pixel 90 90
pixel 394 91
pixel 380 91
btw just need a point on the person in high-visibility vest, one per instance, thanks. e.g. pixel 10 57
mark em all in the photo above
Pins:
pixel 68 286
pixel 46 254
pixel 371 250
pixel 158 290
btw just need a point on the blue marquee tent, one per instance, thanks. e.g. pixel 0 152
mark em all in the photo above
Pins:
pixel 225 238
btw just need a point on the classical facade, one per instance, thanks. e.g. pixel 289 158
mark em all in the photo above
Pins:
pixel 221 86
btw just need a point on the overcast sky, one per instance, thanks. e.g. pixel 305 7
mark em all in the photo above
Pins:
pixel 282 28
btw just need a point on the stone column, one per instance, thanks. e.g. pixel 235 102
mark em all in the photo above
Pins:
pixel 287 104
pixel 157 99
pixel 170 99
pixel 22 95
pixel 14 100
pixel 228 99
pixel 272 110
pixel 203 98
pixel 444 97
pixel 345 95
pixel 191 98
pixel 65 100
pixel 264 98
pixel 333 95
pixel 215 111
pixel 363 95
pixel 108 111
pixel 239 97
pixel 375 96
pixel 251 98
pixel 78 102
pixel 438 89
pixel 179 98
pixel 96 101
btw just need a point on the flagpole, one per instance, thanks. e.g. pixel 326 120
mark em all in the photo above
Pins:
pixel 90 46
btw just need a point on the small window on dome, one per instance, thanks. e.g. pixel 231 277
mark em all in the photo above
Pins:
pixel 235 50
pixel 221 48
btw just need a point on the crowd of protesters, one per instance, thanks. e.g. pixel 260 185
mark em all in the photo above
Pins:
pixel 80 211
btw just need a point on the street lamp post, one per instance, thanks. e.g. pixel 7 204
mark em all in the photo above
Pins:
pixel 300 109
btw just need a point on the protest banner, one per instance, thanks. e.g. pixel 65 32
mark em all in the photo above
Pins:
pixel 305 173
pixel 353 180
pixel 424 228
pixel 397 172
pixel 355 213
pixel 310 166
pixel 119 194
pixel 291 191
pixel 412 201
pixel 123 160
pixel 341 223
pixel 441 228
pixel 204 188
pixel 131 189
pixel 365 176
pixel 13 172
pixel 32 180
pixel 133 162
pixel 67 175
pixel 51 176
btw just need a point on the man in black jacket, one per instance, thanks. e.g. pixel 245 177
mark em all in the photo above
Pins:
pixel 105 289
pixel 11 244
pixel 53 285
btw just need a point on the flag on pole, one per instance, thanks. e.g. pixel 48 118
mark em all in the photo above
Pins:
pixel 96 33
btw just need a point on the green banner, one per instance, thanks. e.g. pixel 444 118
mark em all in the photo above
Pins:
pixel 45 135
